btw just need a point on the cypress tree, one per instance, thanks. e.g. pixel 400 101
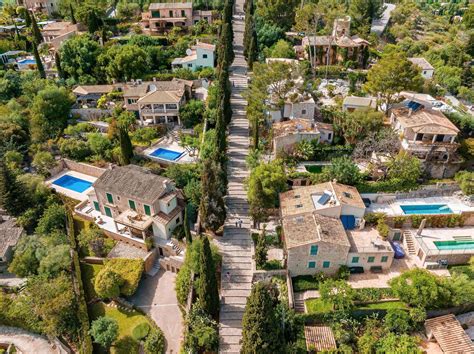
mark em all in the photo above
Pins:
pixel 221 142
pixel 37 36
pixel 260 330
pixel 255 132
pixel 252 50
pixel 39 64
pixel 249 10
pixel 126 147
pixel 13 197
pixel 261 249
pixel 71 13
pixel 187 231
pixel 27 18
pixel 206 289
pixel 212 207
pixel 57 59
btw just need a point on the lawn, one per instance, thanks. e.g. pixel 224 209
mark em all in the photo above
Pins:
pixel 317 306
pixel 463 269
pixel 127 321
pixel 305 282
pixel 89 272
pixel 387 305
pixel 314 168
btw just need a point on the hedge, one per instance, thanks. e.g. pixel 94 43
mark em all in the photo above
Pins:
pixel 130 270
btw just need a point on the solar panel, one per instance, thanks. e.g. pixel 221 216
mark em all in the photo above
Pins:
pixel 324 198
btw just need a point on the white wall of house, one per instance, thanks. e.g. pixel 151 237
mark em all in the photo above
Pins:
pixel 164 232
pixel 205 58
pixel 352 210
pixel 168 207
pixel 326 135
pixel 427 74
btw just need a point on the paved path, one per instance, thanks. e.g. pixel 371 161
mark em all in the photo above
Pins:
pixel 25 341
pixel 236 243
pixel 157 297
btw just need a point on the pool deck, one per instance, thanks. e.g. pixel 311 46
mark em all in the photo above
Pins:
pixel 68 192
pixel 430 235
pixel 394 209
pixel 170 145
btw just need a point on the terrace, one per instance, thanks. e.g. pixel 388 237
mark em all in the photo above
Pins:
pixel 168 151
pixel 446 241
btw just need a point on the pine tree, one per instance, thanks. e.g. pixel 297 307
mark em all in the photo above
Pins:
pixel 212 207
pixel 57 59
pixel 260 330
pixel 206 289
pixel 71 13
pixel 13 197
pixel 187 231
pixel 261 251
pixel 126 147
pixel 39 63
pixel 37 36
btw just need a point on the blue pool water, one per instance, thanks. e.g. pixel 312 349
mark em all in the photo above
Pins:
pixel 166 154
pixel 454 245
pixel 27 61
pixel 426 209
pixel 73 183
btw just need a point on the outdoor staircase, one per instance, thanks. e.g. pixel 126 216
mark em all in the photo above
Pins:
pixel 175 247
pixel 409 242
pixel 236 243
pixel 155 269
pixel 299 302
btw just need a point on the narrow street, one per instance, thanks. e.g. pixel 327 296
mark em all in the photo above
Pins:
pixel 236 244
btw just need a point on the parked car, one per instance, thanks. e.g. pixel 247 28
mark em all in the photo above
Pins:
pixel 356 270
pixel 399 251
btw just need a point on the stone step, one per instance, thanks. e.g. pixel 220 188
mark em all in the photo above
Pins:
pixel 233 285
pixel 237 266
pixel 237 272
pixel 239 280
pixel 230 339
pixel 223 331
pixel 235 292
pixel 233 323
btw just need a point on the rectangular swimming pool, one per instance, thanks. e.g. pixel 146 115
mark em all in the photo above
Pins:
pixel 73 183
pixel 454 245
pixel 419 209
pixel 166 154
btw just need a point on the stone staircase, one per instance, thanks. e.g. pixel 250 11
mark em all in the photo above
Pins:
pixel 236 243
pixel 408 241
pixel 299 302
pixel 155 269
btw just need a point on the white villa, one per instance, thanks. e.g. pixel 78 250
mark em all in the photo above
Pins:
pixel 201 55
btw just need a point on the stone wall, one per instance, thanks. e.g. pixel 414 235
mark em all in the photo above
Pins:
pixel 84 168
pixel 170 264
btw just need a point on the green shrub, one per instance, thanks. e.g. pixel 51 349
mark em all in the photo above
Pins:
pixel 416 220
pixel 398 221
pixel 372 294
pixel 140 331
pixel 383 228
pixel 373 218
pixel 155 342
pixel 343 272
pixel 130 270
pixel 272 265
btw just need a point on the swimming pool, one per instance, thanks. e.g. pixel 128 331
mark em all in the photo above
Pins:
pixel 454 245
pixel 426 209
pixel 166 154
pixel 27 61
pixel 73 183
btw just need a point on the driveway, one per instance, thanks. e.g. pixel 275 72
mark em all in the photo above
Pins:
pixel 25 341
pixel 156 296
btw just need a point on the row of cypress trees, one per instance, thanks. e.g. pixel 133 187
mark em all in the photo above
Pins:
pixel 250 34
pixel 214 176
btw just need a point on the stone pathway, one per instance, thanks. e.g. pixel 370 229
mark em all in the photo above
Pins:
pixel 27 342
pixel 236 244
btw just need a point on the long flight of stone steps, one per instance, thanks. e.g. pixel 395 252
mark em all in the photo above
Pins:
pixel 236 243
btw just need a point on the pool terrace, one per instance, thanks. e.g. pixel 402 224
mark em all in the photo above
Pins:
pixel 73 184
pixel 167 151
pixel 420 206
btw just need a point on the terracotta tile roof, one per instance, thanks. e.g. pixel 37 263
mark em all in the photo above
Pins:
pixel 425 120
pixel 360 101
pixel 449 334
pixel 311 227
pixel 348 195
pixel 324 126
pixel 319 338
pixel 206 46
pixel 169 5
pixel 422 63
pixel 163 97
pixel 93 89
pixel 293 126
pixel 164 219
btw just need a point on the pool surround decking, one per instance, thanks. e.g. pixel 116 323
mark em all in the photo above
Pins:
pixel 69 192
pixel 184 156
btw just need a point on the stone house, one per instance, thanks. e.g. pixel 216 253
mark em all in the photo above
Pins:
pixel 48 7
pixel 56 33
pixel 10 234
pixel 288 133
pixel 139 201
pixel 322 228
pixel 162 17
pixel 429 135
pixel 336 48
pixel 427 70
pixel 201 55
pixel 297 104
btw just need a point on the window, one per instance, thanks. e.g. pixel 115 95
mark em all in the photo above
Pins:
pixel 110 199
pixel 314 250
pixel 171 13
pixel 96 206
pixel 329 136
pixel 384 259
pixel 355 260
pixel 371 260
pixel 204 56
pixel 147 209
pixel 303 111
pixel 190 65
pixel 108 212
pixel 326 264
pixel 132 205
pixel 132 100
pixel 312 264
pixel 183 13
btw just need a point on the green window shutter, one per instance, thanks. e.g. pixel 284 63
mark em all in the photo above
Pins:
pixel 314 250
pixel 108 212
pixel 110 198
pixel 312 264
pixel 326 264
pixel 147 209
pixel 371 260
pixel 384 259
pixel 355 260
pixel 96 206
pixel 131 203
